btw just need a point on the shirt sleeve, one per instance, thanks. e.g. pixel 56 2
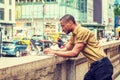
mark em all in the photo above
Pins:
pixel 82 37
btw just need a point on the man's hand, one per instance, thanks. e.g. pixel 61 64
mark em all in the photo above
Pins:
pixel 48 51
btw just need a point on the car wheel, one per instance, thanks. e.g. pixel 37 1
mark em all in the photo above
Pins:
pixel 18 54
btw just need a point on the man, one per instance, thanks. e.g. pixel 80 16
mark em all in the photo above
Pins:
pixel 83 40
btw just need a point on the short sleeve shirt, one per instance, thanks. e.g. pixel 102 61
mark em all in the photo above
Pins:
pixel 93 51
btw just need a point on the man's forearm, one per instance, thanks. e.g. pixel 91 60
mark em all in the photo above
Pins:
pixel 62 50
pixel 63 53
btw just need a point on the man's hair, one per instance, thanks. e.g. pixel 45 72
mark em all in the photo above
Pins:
pixel 67 18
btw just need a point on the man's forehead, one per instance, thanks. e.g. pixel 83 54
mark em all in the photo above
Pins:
pixel 63 21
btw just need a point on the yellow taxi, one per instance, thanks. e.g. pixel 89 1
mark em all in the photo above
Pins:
pixel 24 39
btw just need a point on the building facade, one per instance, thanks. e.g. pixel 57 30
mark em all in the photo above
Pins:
pixel 90 9
pixel 39 16
pixel 97 11
pixel 108 17
pixel 34 14
pixel 104 13
pixel 7 16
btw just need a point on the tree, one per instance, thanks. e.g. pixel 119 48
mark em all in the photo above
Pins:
pixel 117 10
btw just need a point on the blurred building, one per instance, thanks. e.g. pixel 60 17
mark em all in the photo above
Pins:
pixel 97 11
pixel 7 16
pixel 30 13
pixel 104 13
pixel 34 15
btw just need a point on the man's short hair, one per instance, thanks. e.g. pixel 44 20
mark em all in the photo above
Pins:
pixel 67 18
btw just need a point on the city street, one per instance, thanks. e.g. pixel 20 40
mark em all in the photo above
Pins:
pixel 27 27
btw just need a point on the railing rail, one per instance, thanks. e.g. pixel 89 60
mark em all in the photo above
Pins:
pixel 51 67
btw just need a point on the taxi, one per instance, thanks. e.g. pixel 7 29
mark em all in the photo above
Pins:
pixel 24 39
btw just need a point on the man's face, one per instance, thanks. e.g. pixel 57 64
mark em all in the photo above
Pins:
pixel 66 26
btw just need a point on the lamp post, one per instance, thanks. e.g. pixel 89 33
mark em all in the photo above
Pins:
pixel 43 24
pixel 0 41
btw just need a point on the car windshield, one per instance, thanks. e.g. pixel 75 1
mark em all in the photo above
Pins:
pixel 37 37
pixel 8 43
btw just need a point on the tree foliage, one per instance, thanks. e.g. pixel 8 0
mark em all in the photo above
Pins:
pixel 117 10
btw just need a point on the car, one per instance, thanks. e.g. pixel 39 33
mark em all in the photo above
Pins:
pixel 38 37
pixel 13 48
pixel 24 39
pixel 46 44
pixel 39 44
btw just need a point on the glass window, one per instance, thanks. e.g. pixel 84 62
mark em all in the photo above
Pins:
pixel 1 13
pixel 50 0
pixel 30 0
pixel 10 2
pixel 28 24
pixel 82 7
pixel 1 1
pixel 5 43
pixel 10 15
pixel 21 0
pixel 53 0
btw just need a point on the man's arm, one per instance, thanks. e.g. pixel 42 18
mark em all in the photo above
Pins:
pixel 67 47
pixel 68 53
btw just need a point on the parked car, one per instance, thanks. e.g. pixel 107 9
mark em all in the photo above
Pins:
pixel 38 41
pixel 38 37
pixel 13 48
pixel 24 39
pixel 38 44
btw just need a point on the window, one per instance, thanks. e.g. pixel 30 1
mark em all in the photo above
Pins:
pixel 10 2
pixel 1 1
pixel 53 0
pixel 50 0
pixel 1 13
pixel 22 1
pixel 19 31
pixel 10 15
pixel 29 0
pixel 28 24
pixel 82 6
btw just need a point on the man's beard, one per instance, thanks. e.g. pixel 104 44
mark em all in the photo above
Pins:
pixel 68 31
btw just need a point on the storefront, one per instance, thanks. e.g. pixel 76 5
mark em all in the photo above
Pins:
pixel 97 29
pixel 7 30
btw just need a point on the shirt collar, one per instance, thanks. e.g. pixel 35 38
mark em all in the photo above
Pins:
pixel 76 29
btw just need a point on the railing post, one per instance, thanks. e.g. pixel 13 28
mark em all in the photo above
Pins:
pixel 70 68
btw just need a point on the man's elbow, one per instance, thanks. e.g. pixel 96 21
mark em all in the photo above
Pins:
pixel 75 54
